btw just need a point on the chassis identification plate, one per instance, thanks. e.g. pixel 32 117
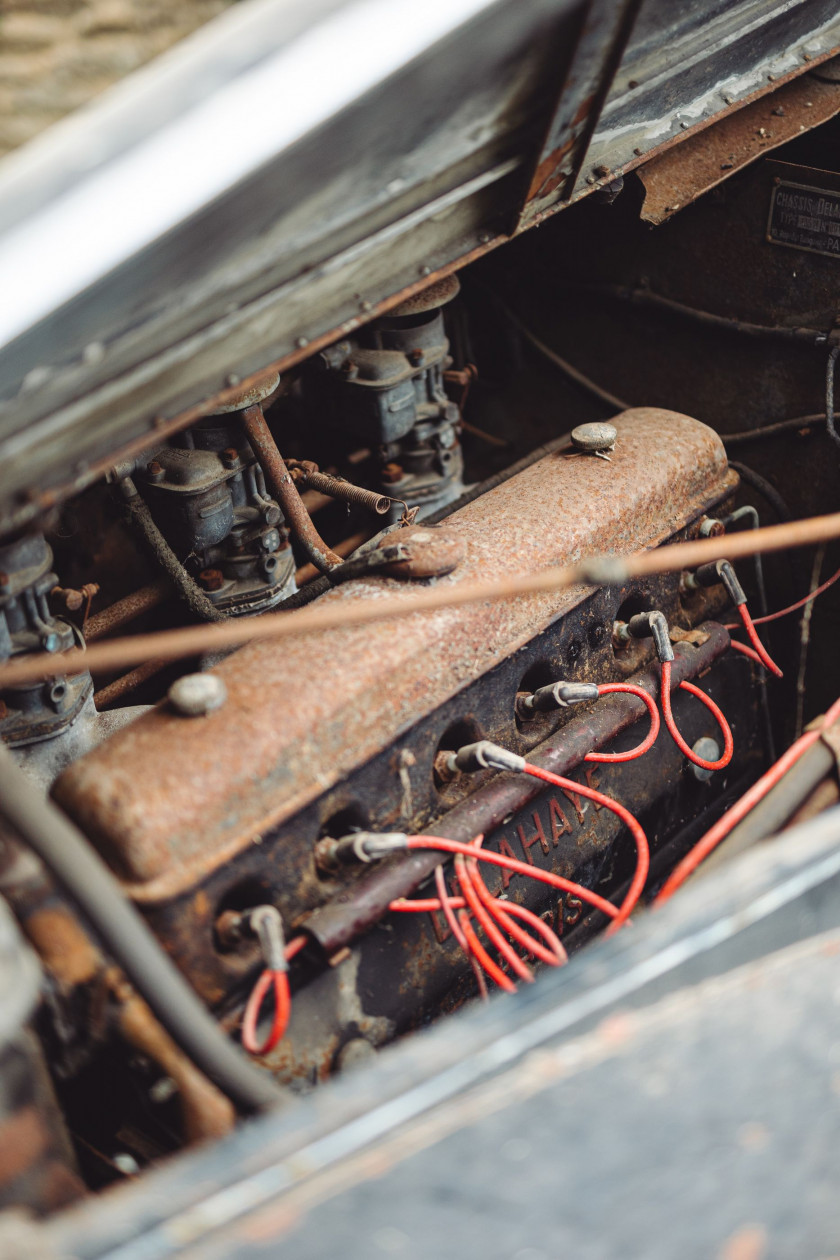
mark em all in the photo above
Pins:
pixel 805 218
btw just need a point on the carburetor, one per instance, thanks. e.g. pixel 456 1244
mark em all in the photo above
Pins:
pixel 385 388
pixel 36 711
pixel 209 499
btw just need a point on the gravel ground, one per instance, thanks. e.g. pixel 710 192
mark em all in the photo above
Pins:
pixel 57 54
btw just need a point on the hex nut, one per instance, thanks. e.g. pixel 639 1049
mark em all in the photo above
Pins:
pixel 195 695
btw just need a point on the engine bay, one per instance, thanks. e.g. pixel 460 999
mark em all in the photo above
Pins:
pixel 375 690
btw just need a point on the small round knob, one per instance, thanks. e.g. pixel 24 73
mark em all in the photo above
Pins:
pixel 594 438
pixel 194 695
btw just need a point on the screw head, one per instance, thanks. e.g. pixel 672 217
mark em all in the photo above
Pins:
pixel 195 695
pixel 230 457
pixel 597 436
pixel 155 471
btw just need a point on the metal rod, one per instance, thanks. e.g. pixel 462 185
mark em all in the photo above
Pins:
pixel 598 571
pixel 128 682
pixel 126 610
pixel 286 492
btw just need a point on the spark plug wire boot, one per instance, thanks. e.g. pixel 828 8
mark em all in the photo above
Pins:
pixel 558 695
pixel 266 924
pixel 483 755
pixel 721 571
pixel 653 624
pixel 358 846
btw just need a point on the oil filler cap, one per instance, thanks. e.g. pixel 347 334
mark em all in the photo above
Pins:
pixel 594 439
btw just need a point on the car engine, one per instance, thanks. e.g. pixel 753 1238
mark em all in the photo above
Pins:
pixel 412 556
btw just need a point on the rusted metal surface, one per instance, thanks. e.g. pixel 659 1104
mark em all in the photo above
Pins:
pixel 307 572
pixel 681 175
pixel 67 952
pixel 126 610
pixel 285 490
pixel 429 298
pixel 607 28
pixel 341 921
pixel 631 134
pixel 727 933
pixel 251 392
pixel 411 553
pixel 169 800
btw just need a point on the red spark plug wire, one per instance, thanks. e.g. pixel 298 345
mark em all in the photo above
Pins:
pixel 721 571
pixel 279 980
pixel 744 650
pixel 800 603
pixel 554 955
pixel 741 808
pixel 426 905
pixel 276 978
pixel 606 689
pixel 482 957
pixel 448 905
pixel 759 648
pixel 642 848
pixel 728 744
pixel 445 845
pixel 486 921
pixel 504 914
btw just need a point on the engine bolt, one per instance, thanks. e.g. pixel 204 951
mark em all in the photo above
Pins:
pixel 230 457
pixel 155 471
pixel 391 473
